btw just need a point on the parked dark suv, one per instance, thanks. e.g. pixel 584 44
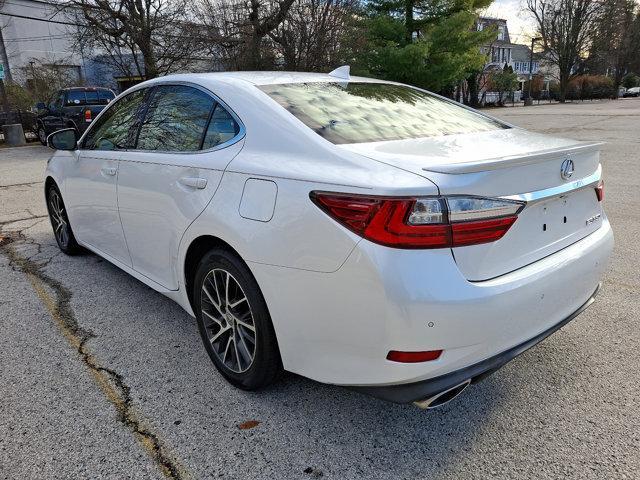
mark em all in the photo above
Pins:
pixel 71 108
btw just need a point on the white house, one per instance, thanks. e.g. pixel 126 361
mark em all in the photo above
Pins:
pixel 38 32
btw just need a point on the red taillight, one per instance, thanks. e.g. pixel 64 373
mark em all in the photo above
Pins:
pixel 87 115
pixel 600 191
pixel 413 357
pixel 420 222
pixel 483 231
pixel 389 227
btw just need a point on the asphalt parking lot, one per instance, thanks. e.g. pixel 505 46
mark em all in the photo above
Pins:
pixel 101 377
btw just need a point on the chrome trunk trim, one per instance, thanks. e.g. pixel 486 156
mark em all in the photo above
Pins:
pixel 539 195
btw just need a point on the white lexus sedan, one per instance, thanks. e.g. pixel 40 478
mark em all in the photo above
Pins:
pixel 355 231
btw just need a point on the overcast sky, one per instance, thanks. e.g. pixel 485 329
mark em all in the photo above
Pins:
pixel 518 19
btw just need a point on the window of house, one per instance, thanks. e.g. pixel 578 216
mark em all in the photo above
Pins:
pixel 175 120
pixel 111 130
pixel 501 32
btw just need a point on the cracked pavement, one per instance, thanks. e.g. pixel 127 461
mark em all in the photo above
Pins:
pixel 101 377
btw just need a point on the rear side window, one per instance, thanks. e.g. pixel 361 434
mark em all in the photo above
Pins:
pixel 111 130
pixel 175 120
pixel 222 128
pixel 357 112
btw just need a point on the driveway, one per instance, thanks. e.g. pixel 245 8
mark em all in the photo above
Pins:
pixel 102 377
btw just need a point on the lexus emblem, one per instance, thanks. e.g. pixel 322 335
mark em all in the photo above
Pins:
pixel 566 169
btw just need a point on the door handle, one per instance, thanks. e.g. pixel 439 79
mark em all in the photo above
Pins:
pixel 194 182
pixel 109 170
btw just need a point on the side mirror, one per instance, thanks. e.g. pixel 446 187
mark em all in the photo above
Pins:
pixel 63 139
pixel 41 106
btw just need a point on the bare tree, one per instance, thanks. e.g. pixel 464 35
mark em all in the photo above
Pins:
pixel 238 30
pixel 617 36
pixel 313 34
pixel 149 36
pixel 566 28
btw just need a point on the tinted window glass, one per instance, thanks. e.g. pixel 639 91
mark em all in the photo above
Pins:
pixel 372 112
pixel 59 102
pixel 75 97
pixel 222 128
pixel 98 97
pixel 175 120
pixel 91 96
pixel 105 96
pixel 111 130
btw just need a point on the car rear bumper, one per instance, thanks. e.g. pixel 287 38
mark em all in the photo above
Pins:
pixel 412 392
pixel 339 327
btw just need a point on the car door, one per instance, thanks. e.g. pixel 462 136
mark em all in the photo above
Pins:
pixel 91 180
pixel 185 141
pixel 53 120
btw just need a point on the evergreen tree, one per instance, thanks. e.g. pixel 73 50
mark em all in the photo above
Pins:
pixel 428 43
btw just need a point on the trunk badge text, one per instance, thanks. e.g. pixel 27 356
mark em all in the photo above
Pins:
pixel 590 220
pixel 566 169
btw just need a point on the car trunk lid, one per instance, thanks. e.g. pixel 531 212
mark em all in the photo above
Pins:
pixel 512 164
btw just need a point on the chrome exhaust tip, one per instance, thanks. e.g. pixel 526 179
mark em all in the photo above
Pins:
pixel 443 397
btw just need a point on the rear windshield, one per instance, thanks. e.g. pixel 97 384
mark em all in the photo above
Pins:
pixel 89 97
pixel 372 112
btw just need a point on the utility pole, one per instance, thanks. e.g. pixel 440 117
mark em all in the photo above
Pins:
pixel 4 58
pixel 529 101
pixel 6 73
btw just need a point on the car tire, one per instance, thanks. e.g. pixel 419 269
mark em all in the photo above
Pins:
pixel 234 321
pixel 42 135
pixel 60 222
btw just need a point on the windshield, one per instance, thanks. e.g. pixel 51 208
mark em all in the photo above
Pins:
pixel 371 112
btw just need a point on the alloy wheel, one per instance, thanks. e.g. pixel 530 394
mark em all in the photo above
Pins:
pixel 58 218
pixel 228 320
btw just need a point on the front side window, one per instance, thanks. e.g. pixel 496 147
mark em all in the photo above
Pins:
pixel 176 119
pixel 111 130
pixel 59 102
pixel 372 112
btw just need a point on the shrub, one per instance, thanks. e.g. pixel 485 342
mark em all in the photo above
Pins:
pixel 590 87
pixel 19 97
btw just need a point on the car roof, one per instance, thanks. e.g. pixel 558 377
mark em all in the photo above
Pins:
pixel 85 89
pixel 268 78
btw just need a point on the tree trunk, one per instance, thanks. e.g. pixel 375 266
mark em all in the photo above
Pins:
pixel 473 90
pixel 150 62
pixel 564 84
pixel 252 54
pixel 408 20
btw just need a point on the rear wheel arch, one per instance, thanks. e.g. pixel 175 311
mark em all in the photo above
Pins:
pixel 49 181
pixel 209 253
pixel 198 248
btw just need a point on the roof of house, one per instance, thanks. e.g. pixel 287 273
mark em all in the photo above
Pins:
pixel 520 53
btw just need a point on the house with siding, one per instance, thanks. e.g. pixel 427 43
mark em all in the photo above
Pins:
pixel 42 33
pixel 502 52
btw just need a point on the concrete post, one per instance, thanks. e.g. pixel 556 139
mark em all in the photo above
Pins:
pixel 13 135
